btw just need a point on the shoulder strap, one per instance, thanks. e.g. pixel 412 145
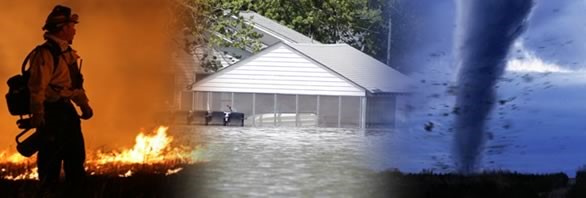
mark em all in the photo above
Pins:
pixel 55 51
pixel 23 67
pixel 53 48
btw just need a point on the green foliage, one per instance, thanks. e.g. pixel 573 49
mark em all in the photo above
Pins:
pixel 209 25
pixel 362 24
pixel 359 23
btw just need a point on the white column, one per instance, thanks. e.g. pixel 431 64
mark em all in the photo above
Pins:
pixel 318 119
pixel 275 110
pixel 296 110
pixel 209 102
pixel 339 111
pixel 362 112
pixel 232 100
pixel 253 109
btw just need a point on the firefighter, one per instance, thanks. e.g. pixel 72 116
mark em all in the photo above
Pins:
pixel 54 88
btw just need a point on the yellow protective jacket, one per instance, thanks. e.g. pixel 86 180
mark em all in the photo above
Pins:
pixel 44 77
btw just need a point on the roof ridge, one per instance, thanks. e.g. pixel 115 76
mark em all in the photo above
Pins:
pixel 323 44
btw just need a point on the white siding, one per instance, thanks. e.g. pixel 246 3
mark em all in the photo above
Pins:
pixel 357 66
pixel 280 70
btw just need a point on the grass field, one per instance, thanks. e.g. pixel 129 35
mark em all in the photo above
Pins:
pixel 191 182
pixel 143 183
pixel 500 184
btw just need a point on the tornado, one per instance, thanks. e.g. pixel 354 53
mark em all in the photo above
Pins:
pixel 486 29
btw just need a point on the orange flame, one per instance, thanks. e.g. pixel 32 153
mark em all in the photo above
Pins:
pixel 14 158
pixel 29 174
pixel 127 174
pixel 156 149
pixel 148 150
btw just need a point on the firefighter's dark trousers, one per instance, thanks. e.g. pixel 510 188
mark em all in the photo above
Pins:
pixel 62 144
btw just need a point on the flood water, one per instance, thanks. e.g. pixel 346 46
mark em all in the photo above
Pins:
pixel 306 162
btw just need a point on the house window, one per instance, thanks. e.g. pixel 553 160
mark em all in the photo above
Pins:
pixel 264 110
pixel 220 101
pixel 380 111
pixel 328 111
pixel 307 111
pixel 200 102
pixel 243 104
pixel 350 112
pixel 286 107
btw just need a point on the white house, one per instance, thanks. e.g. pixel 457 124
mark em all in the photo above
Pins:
pixel 297 81
pixel 293 84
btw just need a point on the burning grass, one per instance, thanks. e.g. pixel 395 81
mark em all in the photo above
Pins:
pixel 156 166
pixel 145 182
pixel 155 153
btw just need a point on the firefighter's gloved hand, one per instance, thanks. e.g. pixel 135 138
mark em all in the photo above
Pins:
pixel 86 111
pixel 38 120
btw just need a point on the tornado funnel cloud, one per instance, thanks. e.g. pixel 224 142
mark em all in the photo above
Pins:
pixel 486 31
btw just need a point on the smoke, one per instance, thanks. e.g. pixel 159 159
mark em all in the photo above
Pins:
pixel 125 47
pixel 486 31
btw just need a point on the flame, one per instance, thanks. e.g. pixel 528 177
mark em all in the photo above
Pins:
pixel 127 174
pixel 148 150
pixel 29 174
pixel 17 158
pixel 173 171
pixel 155 150
pixel 14 158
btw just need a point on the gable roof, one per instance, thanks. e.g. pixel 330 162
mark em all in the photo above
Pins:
pixel 279 69
pixel 344 61
pixel 275 29
pixel 358 67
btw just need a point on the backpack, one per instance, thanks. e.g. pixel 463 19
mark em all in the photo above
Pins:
pixel 18 96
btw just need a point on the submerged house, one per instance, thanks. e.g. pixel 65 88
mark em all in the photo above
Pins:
pixel 187 71
pixel 296 81
pixel 292 84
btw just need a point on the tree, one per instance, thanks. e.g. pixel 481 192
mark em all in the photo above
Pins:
pixel 359 23
pixel 208 25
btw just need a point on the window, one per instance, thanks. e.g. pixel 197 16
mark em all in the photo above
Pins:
pixel 350 112
pixel 307 111
pixel 328 111
pixel 243 104
pixel 264 110
pixel 220 101
pixel 286 107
